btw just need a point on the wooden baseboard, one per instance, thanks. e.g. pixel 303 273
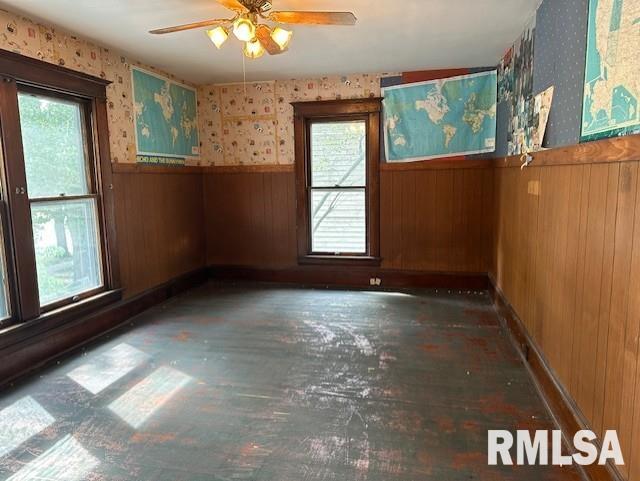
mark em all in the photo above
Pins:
pixel 357 276
pixel 563 409
pixel 32 352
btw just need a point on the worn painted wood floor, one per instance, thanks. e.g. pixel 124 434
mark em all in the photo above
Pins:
pixel 281 384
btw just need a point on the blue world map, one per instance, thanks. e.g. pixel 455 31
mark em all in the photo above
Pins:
pixel 440 118
pixel 165 118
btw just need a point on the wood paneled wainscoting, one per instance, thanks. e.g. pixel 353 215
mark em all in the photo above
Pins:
pixel 436 218
pixel 567 260
pixel 160 224
pixel 161 250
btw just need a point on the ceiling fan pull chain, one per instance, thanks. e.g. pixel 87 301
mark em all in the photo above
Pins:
pixel 244 76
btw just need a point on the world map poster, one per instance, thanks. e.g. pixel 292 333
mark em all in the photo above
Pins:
pixel 441 118
pixel 166 122
pixel 612 79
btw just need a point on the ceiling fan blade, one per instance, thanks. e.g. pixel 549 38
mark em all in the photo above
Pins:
pixel 191 26
pixel 264 37
pixel 234 5
pixel 314 18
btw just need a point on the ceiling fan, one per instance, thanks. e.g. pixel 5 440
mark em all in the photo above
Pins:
pixel 260 38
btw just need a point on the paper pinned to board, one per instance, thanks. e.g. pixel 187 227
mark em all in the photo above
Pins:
pixel 541 111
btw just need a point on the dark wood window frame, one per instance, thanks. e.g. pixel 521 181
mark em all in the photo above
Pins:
pixel 24 74
pixel 305 114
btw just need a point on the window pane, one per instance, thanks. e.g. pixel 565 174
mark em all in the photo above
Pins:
pixel 338 154
pixel 338 222
pixel 53 141
pixel 67 249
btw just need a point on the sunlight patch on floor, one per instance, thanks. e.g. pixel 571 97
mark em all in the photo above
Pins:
pixel 145 398
pixel 20 421
pixel 66 460
pixel 108 367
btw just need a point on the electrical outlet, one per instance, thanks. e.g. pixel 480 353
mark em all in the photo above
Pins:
pixel 378 282
pixel 372 281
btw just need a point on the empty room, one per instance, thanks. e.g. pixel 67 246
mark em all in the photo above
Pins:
pixel 320 240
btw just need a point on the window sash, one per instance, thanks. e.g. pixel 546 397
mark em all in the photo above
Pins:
pixel 312 157
pixel 97 253
pixel 89 171
pixel 84 111
pixel 312 229
pixel 310 188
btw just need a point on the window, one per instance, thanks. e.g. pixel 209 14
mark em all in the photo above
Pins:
pixel 338 187
pixel 57 237
pixel 63 202
pixel 337 164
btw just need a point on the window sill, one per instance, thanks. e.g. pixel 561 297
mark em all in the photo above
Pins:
pixel 321 260
pixel 58 317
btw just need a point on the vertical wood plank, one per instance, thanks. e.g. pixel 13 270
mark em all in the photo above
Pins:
pixel 408 237
pixel 570 285
pixel 443 231
pixel 580 292
pixel 396 221
pixel 632 328
pixel 620 299
pixel 426 206
pixel 386 218
pixel 631 412
pixel 605 296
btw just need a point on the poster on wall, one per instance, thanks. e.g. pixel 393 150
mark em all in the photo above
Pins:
pixel 529 128
pixel 440 118
pixel 515 80
pixel 541 110
pixel 612 74
pixel 166 120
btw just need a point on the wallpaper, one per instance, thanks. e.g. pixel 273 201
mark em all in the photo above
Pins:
pixel 253 124
pixel 238 124
pixel 21 35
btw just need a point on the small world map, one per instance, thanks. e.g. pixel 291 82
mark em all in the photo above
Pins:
pixel 441 118
pixel 612 80
pixel 165 119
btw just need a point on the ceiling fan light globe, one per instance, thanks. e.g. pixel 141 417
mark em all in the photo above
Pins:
pixel 282 37
pixel 253 49
pixel 218 36
pixel 244 29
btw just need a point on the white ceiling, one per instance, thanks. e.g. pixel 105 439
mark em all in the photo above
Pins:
pixel 391 35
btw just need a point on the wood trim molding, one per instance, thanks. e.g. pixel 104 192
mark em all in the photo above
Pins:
pixel 438 164
pixel 563 409
pixel 36 72
pixel 104 176
pixel 356 277
pixel 441 164
pixel 32 352
pixel 333 108
pixel 22 266
pixel 618 149
pixel 123 168
pixel 249 169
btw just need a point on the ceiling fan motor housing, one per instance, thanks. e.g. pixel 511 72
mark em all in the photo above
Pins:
pixel 257 5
